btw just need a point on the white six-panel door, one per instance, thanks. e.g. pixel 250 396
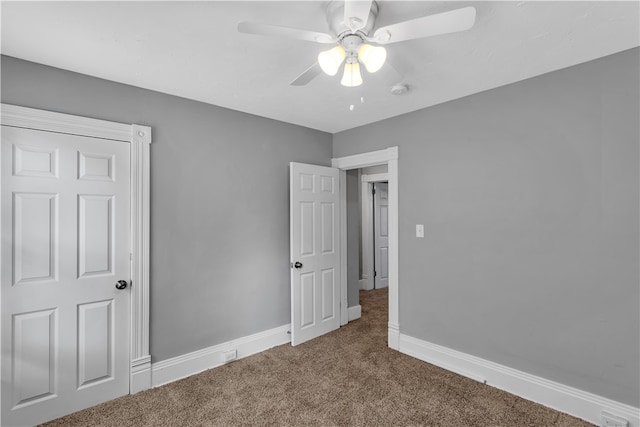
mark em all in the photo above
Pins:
pixel 65 244
pixel 315 251
pixel 381 234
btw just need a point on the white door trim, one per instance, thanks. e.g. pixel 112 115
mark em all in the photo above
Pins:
pixel 344 314
pixel 375 177
pixel 140 139
pixel 367 227
pixel 389 157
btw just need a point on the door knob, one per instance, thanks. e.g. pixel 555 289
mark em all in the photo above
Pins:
pixel 298 264
pixel 121 284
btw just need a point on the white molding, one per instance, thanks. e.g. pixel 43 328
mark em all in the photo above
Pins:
pixel 389 157
pixel 140 374
pixel 173 369
pixel 564 398
pixel 375 177
pixel 355 312
pixel 140 138
pixel 366 201
pixel 364 160
pixel 31 118
pixel 365 283
pixel 394 285
pixel 393 336
pixel 140 237
pixel 344 317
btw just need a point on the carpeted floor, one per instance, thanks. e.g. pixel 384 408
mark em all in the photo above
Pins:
pixel 348 377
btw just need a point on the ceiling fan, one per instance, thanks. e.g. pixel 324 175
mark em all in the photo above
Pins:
pixel 351 24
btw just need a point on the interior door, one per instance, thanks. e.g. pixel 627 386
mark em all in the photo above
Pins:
pixel 65 245
pixel 381 234
pixel 315 251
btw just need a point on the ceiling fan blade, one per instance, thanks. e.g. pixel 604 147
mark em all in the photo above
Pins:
pixel 278 31
pixel 432 25
pixel 356 14
pixel 308 75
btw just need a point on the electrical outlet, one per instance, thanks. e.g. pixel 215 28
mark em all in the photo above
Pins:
pixel 419 230
pixel 610 420
pixel 229 356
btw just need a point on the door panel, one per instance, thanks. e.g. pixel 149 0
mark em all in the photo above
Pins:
pixel 328 293
pixel 35 161
pixel 381 234
pixel 95 341
pixel 307 228
pixel 35 342
pixel 66 241
pixel 307 300
pixel 95 234
pixel 34 237
pixel 328 227
pixel 98 167
pixel 315 296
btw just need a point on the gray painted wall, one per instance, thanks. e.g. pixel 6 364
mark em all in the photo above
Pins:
pixel 219 202
pixel 529 197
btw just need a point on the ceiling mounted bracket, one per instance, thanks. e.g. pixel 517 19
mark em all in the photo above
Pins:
pixel 335 19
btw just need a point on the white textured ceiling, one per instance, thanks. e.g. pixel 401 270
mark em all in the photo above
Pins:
pixel 193 50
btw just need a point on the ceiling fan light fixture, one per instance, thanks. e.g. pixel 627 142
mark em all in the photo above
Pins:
pixel 372 57
pixel 351 76
pixel 331 59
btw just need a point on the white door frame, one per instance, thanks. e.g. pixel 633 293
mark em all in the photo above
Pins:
pixel 366 201
pixel 389 157
pixel 140 139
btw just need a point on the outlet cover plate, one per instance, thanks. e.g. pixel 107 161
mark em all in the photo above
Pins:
pixel 610 420
pixel 229 356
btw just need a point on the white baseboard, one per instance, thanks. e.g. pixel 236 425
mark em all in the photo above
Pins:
pixel 365 283
pixel 578 403
pixel 140 374
pixel 393 336
pixel 354 312
pixel 173 369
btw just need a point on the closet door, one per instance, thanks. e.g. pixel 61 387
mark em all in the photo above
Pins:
pixel 65 273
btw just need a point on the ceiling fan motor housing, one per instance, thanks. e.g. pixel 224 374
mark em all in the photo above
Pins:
pixel 351 43
pixel 337 25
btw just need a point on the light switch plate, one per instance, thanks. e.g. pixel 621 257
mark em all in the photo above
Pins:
pixel 419 230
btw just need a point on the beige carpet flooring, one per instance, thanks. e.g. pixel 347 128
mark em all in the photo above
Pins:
pixel 347 378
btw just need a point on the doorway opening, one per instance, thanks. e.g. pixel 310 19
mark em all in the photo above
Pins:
pixel 374 220
pixel 388 157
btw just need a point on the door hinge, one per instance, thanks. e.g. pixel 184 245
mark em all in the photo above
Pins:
pixel 373 190
pixel 375 274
